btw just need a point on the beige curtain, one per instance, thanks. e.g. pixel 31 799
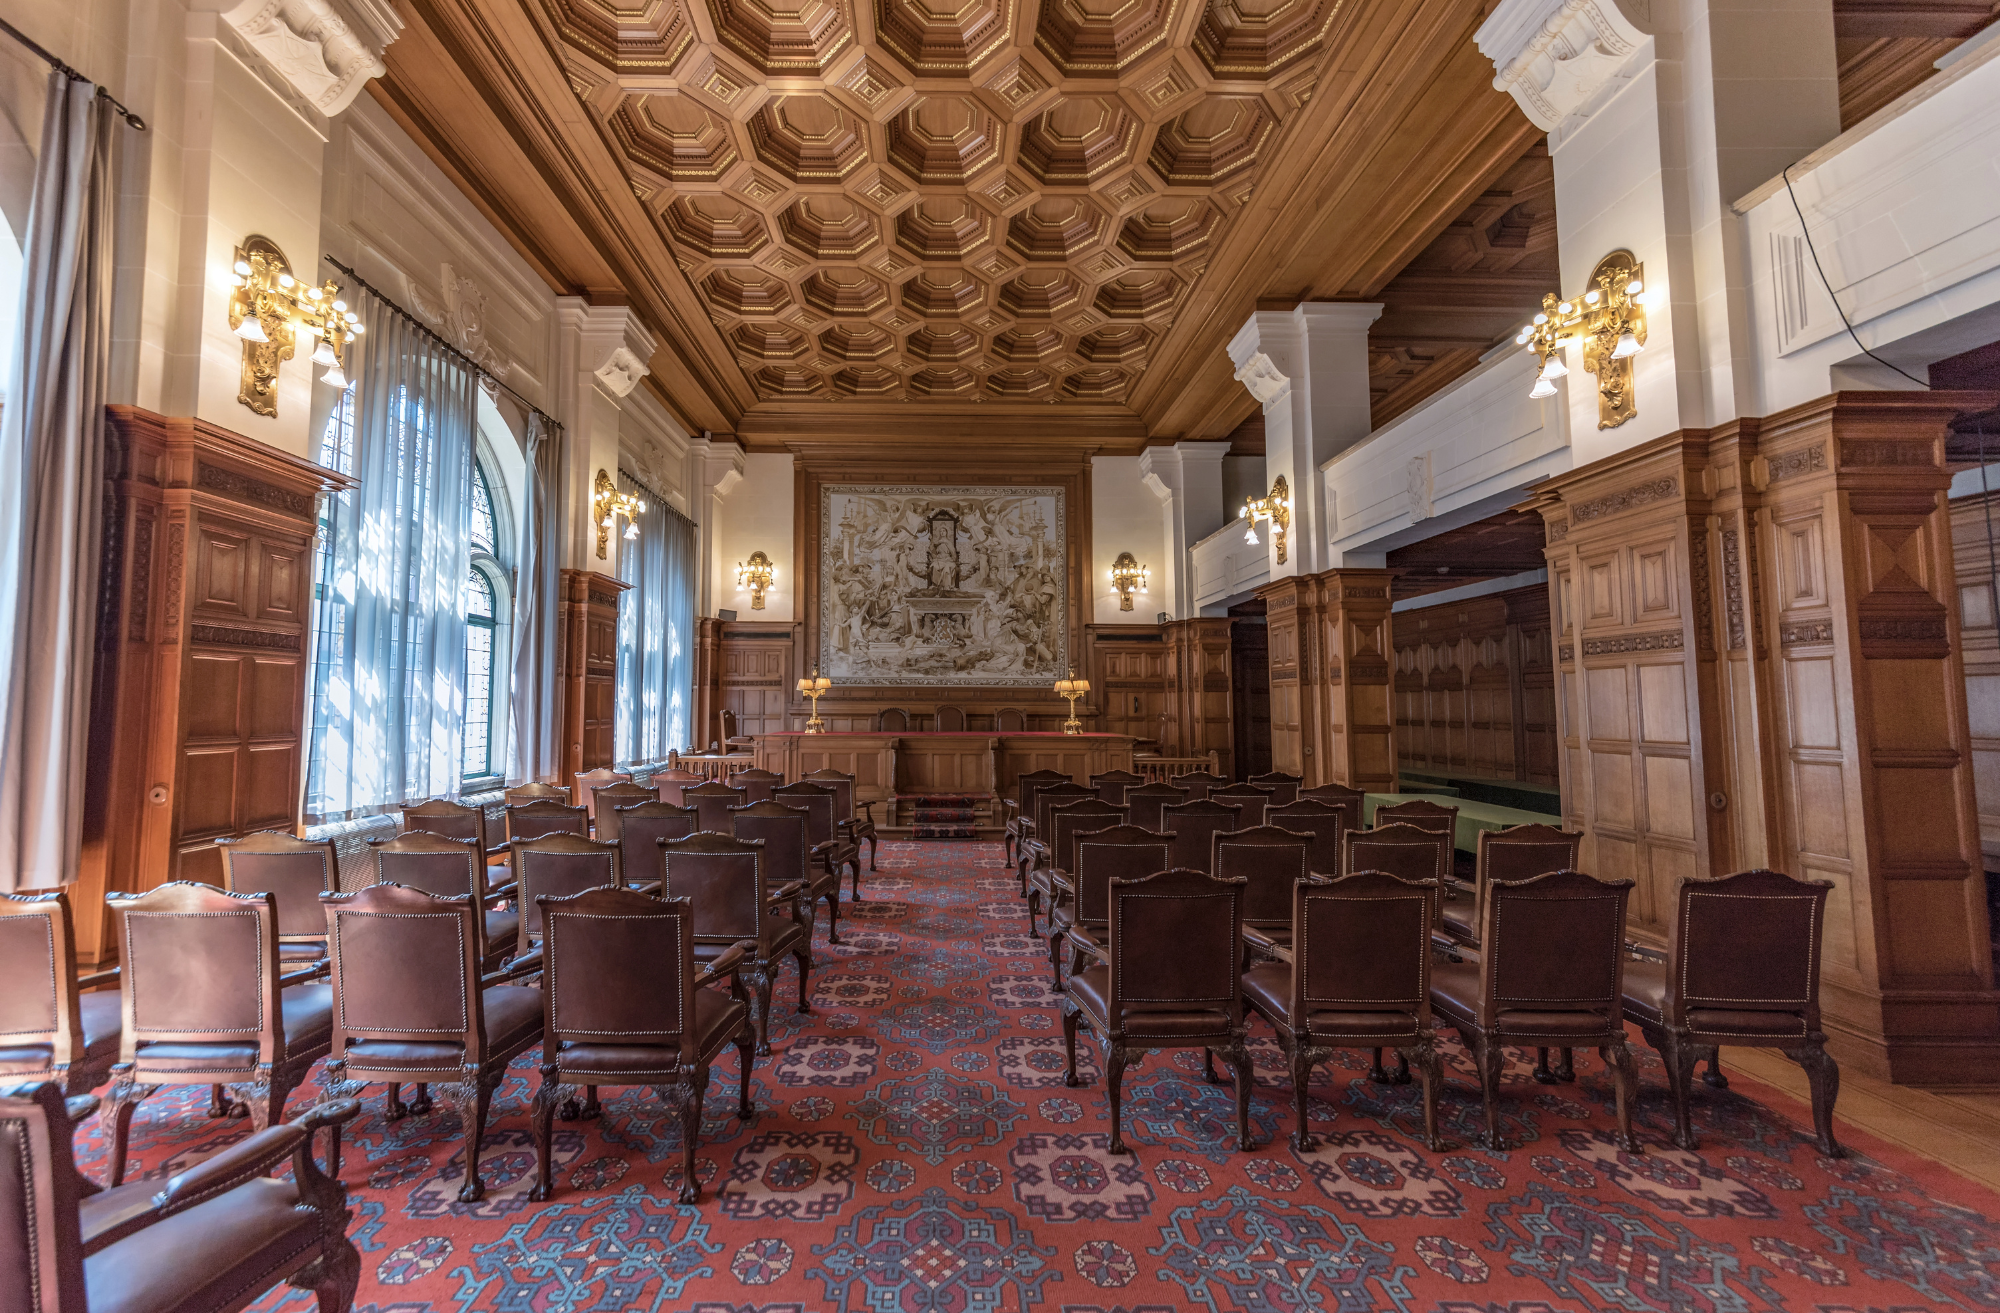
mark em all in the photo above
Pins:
pixel 536 738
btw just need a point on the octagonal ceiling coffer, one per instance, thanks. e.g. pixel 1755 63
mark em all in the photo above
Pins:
pixel 809 138
pixel 784 38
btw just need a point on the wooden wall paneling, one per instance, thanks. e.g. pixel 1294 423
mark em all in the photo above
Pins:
pixel 198 700
pixel 1979 637
pixel 1078 756
pixel 587 670
pixel 1537 746
pixel 1474 687
pixel 1127 669
pixel 707 721
pixel 1355 640
pixel 1198 692
pixel 1250 694
pixel 949 763
pixel 1290 628
pixel 758 669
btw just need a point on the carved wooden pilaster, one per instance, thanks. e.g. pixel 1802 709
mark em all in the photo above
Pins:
pixel 587 670
pixel 1198 692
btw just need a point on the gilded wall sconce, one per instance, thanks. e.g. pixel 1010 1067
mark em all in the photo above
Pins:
pixel 1128 577
pixel 607 504
pixel 757 576
pixel 1277 508
pixel 1609 319
pixel 269 309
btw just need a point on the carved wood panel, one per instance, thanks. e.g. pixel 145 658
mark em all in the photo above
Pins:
pixel 1475 687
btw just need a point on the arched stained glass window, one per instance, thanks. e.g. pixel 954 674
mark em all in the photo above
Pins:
pixel 480 615
pixel 485 533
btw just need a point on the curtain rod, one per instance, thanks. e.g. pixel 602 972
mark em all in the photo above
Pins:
pixel 72 74
pixel 432 334
pixel 652 492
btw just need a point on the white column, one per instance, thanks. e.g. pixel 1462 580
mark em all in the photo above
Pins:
pixel 1187 478
pixel 601 354
pixel 1308 366
pixel 715 468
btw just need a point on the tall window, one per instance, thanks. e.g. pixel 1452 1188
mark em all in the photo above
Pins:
pixel 483 622
pixel 336 452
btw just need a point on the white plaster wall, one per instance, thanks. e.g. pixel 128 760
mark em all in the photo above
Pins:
pixel 1242 479
pixel 1226 566
pixel 758 517
pixel 1124 517
pixel 654 446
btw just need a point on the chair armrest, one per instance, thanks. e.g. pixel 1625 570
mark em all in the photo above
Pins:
pixel 785 894
pixel 651 887
pixel 97 978
pixel 244 1161
pixel 732 957
pixel 317 971
pixel 1266 946
pixel 1081 940
pixel 822 849
pixel 527 964
pixel 498 894
pixel 867 817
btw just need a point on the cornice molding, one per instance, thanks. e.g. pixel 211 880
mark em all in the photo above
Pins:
pixel 315 54
pixel 1554 56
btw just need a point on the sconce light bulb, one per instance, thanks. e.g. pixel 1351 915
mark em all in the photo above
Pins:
pixel 314 294
pixel 242 267
pixel 334 378
pixel 1563 309
pixel 1592 296
pixel 252 330
pixel 286 280
pixel 1542 388
pixel 1541 319
pixel 323 354
pixel 1634 287
pixel 1554 368
pixel 1521 337
pixel 1628 346
pixel 354 330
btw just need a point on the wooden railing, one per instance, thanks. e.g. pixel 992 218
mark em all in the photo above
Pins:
pixel 1158 769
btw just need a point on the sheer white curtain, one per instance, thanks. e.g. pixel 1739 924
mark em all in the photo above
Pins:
pixel 392 716
pixel 51 490
pixel 533 732
pixel 655 633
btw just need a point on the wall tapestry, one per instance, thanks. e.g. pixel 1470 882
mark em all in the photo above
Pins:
pixel 943 586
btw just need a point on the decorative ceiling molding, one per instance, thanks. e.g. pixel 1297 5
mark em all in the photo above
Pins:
pixel 317 54
pixel 1554 56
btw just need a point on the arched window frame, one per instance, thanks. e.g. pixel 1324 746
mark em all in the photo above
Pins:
pixel 494 569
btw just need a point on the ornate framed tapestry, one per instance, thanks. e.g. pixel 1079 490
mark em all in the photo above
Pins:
pixel 943 586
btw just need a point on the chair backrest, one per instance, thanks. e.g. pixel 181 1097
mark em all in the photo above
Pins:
pixel 1048 797
pixel 892 720
pixel 1026 786
pixel 1010 720
pixel 406 967
pixel 842 785
pixel 453 820
pixel 784 830
pixel 1145 801
pixel 1194 825
pixel 1176 943
pixel 1553 943
pixel 1198 783
pixel 1081 817
pixel 606 799
pixel 1406 850
pixel 1748 942
pixel 669 783
pixel 199 966
pixel 532 820
pixel 41 1237
pixel 434 863
pixel 640 829
pixel 712 803
pixel 1123 852
pixel 1111 785
pixel 1420 812
pixel 1271 861
pixel 1339 795
pixel 951 720
pixel 38 995
pixel 1252 798
pixel 1522 851
pixel 589 781
pixel 818 802
pixel 755 782
pixel 292 870
pixel 724 880
pixel 1322 824
pixel 1362 943
pixel 1284 788
pixel 618 969
pixel 532 790
pixel 556 866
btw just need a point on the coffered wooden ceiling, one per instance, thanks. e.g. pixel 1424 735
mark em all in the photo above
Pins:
pixel 855 217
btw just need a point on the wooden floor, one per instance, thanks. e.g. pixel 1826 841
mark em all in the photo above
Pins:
pixel 1956 1129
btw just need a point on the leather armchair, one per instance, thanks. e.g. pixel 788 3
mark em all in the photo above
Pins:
pixel 755 782
pixel 1356 973
pixel 640 829
pixel 1066 821
pixel 204 1004
pixel 1284 788
pixel 1145 801
pixel 1413 852
pixel 1036 827
pixel 856 819
pixel 1549 975
pixel 788 851
pixel 455 820
pixel 1081 912
pixel 544 816
pixel 450 868
pixel 1019 810
pixel 216 1237
pixel 830 847
pixel 1270 861
pixel 625 1005
pixel 584 791
pixel 556 866
pixel 669 784
pixel 1252 798
pixel 532 791
pixel 1193 826
pixel 1339 795
pixel 1519 852
pixel 50 1029
pixel 1112 784
pixel 1423 814
pixel 1742 968
pixel 411 1005
pixel 1322 823
pixel 606 799
pixel 712 802
pixel 738 900
pixel 1199 784
pixel 1171 979
pixel 293 871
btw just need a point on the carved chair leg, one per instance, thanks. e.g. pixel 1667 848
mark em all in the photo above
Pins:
pixel 1823 1076
pixel 591 1109
pixel 1566 1065
pixel 1377 1072
pixel 1625 1082
pixel 1713 1077
pixel 690 1129
pixel 1069 1048
pixel 746 1057
pixel 1402 1076
pixel 540 1114
pixel 805 959
pixel 1208 1072
pixel 1543 1075
pixel 1114 1083
pixel 1034 910
pixel 1490 1057
pixel 125 1098
pixel 219 1102
pixel 1430 1069
pixel 1237 1054
pixel 833 913
pixel 265 1099
pixel 759 983
pixel 1055 954
pixel 393 1107
pixel 1679 1058
pixel 1302 1063
pixel 874 846
pixel 422 1106
pixel 472 1096
pixel 335 1276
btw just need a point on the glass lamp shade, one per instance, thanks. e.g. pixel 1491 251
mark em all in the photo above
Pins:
pixel 1542 388
pixel 251 330
pixel 1628 346
pixel 323 353
pixel 1555 367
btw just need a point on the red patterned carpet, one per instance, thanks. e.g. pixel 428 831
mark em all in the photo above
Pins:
pixel 916 1150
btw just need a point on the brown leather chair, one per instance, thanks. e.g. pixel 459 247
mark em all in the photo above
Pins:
pixel 1420 812
pixel 532 791
pixel 1339 795
pixel 1252 798
pixel 606 799
pixel 450 868
pixel 1193 826
pixel 1199 784
pixel 1516 853
pixel 205 1004
pixel 455 820
pixel 713 802
pixel 1010 720
pixel 1145 801
pixel 788 851
pixel 1019 811
pixel 1742 968
pixel 556 866
pixel 892 720
pixel 532 820
pixel 1549 975
pixel 757 784
pixel 588 782
pixel 733 736
pixel 670 783
pixel 1409 851
pixel 737 900
pixel 1354 974
pixel 411 1005
pixel 1081 911
pixel 215 1236
pixel 856 819
pixel 50 1029
pixel 1111 785
pixel 1269 861
pixel 1284 788
pixel 1171 978
pixel 640 829
pixel 1033 848
pixel 950 720
pixel 831 847
pixel 625 1006
pixel 295 872
pixel 1067 822
pixel 1322 823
